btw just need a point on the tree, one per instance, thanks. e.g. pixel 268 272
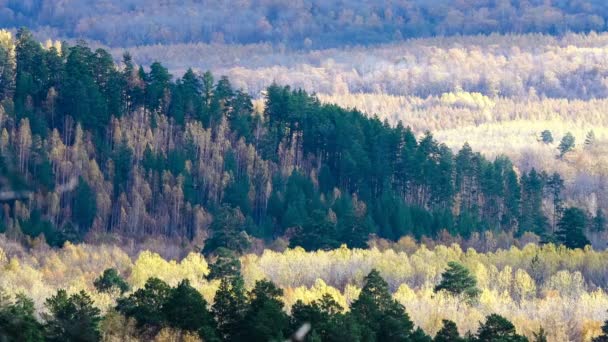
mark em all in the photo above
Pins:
pixel 556 185
pixel 229 308
pixel 604 336
pixel 110 280
pixel 226 264
pixel 186 309
pixel 590 139
pixel 570 229
pixel 146 304
pixel 18 320
pixel 546 136
pixel 566 145
pixel 265 319
pixel 157 87
pixel 498 329
pixel 72 318
pixel 448 333
pixel 317 233
pixel 599 221
pixel 85 206
pixel 381 316
pixel 325 317
pixel 228 229
pixel 457 280
pixel 540 336
pixel 7 65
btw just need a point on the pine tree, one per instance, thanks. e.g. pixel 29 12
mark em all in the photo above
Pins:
pixel 546 137
pixel 265 319
pixel 72 318
pixel 590 139
pixel 458 281
pixel 448 333
pixel 146 304
pixel 317 233
pixel 604 336
pixel 599 221
pixel 498 329
pixel 186 309
pixel 110 280
pixel 18 320
pixel 540 336
pixel 382 318
pixel 570 229
pixel 228 229
pixel 84 206
pixel 229 308
pixel 556 185
pixel 324 315
pixel 226 264
pixel 566 145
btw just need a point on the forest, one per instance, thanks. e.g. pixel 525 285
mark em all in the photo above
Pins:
pixel 534 289
pixel 138 204
pixel 298 24
pixel 192 158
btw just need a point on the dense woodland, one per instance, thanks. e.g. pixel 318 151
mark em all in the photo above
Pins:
pixel 425 171
pixel 90 148
pixel 302 24
pixel 558 290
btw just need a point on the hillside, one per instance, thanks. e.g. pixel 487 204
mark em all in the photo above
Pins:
pixel 167 156
pixel 437 189
pixel 300 24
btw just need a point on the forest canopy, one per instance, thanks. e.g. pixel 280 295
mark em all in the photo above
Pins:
pixel 90 148
pixel 300 24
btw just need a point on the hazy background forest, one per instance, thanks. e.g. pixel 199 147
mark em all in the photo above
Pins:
pixel 306 143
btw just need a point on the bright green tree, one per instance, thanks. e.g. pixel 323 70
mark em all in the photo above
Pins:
pixel 457 280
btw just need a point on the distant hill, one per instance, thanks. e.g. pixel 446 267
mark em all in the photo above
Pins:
pixel 299 24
